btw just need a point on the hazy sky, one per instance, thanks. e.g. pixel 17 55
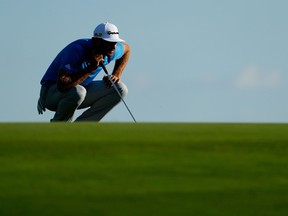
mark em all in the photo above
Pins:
pixel 191 61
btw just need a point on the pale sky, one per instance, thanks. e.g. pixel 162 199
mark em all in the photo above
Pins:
pixel 191 61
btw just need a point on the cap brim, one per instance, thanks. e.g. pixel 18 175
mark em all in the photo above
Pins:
pixel 113 39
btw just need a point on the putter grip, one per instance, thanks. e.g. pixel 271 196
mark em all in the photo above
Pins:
pixel 103 66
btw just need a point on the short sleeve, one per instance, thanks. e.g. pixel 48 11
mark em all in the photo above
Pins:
pixel 119 51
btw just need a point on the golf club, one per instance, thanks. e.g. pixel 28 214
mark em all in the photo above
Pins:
pixel 113 84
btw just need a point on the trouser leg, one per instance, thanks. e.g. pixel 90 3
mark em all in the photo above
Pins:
pixel 100 100
pixel 64 103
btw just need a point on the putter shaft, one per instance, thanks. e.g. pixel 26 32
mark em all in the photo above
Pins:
pixel 116 89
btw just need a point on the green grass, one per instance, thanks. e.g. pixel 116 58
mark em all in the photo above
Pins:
pixel 143 169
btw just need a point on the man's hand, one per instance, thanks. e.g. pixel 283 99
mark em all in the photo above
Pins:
pixel 40 107
pixel 95 59
pixel 107 81
pixel 41 101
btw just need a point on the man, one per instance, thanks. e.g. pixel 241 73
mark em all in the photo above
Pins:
pixel 69 84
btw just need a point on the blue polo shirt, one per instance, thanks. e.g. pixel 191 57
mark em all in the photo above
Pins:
pixel 74 57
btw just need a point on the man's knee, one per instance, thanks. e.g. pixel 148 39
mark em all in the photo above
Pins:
pixel 77 94
pixel 122 89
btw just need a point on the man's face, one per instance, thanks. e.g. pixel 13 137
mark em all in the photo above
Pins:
pixel 108 48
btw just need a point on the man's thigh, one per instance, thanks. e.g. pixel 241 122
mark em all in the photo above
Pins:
pixel 54 96
pixel 95 91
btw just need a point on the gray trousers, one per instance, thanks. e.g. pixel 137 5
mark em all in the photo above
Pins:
pixel 96 97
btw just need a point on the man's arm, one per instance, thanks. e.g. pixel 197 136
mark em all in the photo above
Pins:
pixel 119 66
pixel 122 62
pixel 66 80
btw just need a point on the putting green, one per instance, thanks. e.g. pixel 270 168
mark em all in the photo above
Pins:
pixel 143 169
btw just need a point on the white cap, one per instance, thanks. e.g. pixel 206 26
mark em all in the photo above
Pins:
pixel 107 31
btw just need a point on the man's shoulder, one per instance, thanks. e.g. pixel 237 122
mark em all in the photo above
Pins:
pixel 85 42
pixel 79 45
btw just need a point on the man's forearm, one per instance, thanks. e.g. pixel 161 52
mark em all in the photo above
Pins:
pixel 121 63
pixel 66 80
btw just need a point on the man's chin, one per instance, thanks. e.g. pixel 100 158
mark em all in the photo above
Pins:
pixel 110 53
